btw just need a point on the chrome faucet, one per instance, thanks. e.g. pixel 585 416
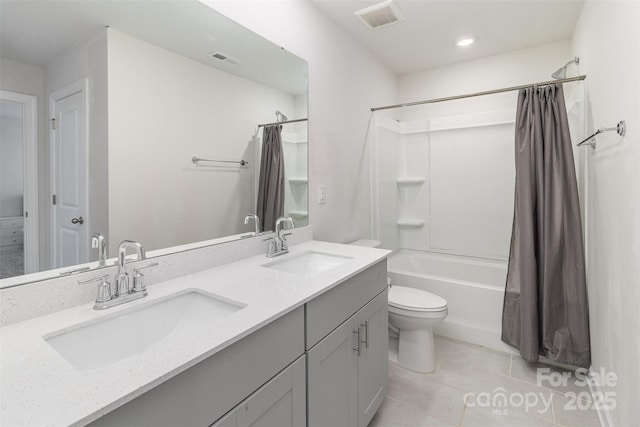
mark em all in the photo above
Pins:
pixel 256 223
pixel 123 293
pixel 100 243
pixel 278 244
pixel 122 279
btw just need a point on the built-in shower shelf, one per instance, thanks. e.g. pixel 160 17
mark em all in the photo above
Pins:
pixel 298 180
pixel 410 180
pixel 298 214
pixel 411 223
pixel 294 141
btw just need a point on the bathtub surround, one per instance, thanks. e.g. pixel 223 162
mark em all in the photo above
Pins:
pixel 546 312
pixel 449 166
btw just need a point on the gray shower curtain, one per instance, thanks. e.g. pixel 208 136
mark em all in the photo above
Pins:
pixel 545 309
pixel 270 204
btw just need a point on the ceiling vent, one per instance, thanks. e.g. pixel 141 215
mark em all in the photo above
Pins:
pixel 224 58
pixel 380 15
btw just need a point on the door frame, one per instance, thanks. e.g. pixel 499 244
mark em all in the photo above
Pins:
pixel 30 173
pixel 79 86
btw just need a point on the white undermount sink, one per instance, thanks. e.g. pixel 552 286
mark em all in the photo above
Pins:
pixel 130 333
pixel 308 263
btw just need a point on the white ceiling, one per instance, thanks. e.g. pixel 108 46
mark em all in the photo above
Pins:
pixel 427 38
pixel 35 31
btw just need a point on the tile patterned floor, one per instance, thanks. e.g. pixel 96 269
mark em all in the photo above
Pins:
pixel 470 386
pixel 11 263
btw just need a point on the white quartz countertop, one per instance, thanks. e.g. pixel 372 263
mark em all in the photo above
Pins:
pixel 39 387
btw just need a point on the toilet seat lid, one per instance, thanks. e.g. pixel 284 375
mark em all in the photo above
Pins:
pixel 415 299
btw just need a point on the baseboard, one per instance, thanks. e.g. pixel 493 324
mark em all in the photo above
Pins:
pixel 604 417
pixel 467 333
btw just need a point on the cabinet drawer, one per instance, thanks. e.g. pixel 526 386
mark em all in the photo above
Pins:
pixel 11 240
pixel 11 232
pixel 329 310
pixel 216 385
pixel 11 222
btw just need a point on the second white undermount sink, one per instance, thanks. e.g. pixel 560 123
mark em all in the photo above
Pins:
pixel 131 333
pixel 308 263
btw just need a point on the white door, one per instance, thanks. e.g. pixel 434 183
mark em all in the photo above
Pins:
pixel 70 245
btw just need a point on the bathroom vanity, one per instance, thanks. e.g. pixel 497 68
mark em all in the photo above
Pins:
pixel 300 339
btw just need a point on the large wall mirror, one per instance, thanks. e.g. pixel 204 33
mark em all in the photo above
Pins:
pixel 139 120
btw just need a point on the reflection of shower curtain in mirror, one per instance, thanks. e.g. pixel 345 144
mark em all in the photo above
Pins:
pixel 270 203
pixel 545 310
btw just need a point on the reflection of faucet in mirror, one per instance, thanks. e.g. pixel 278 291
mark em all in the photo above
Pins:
pixel 256 223
pixel 100 243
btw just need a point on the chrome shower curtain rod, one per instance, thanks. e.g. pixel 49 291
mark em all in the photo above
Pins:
pixel 282 123
pixel 487 92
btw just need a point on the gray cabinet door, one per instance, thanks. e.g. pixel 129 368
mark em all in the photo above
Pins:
pixel 374 356
pixel 279 403
pixel 333 378
pixel 229 420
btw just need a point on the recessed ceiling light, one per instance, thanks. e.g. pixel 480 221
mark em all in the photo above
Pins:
pixel 465 41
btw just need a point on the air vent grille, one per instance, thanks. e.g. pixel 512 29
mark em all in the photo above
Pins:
pixel 224 58
pixel 380 15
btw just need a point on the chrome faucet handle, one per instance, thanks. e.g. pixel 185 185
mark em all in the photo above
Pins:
pixel 283 241
pixel 100 243
pixel 122 284
pixel 271 247
pixel 138 278
pixel 104 288
pixel 278 245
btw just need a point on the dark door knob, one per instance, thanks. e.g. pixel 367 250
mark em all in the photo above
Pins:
pixel 77 220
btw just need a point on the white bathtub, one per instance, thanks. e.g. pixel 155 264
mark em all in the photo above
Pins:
pixel 473 288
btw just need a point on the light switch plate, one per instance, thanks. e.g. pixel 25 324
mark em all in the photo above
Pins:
pixel 322 194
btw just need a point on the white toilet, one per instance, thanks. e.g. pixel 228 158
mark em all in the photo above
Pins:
pixel 413 313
